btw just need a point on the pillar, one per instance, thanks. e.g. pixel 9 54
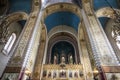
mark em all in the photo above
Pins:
pixel 103 53
pixel 24 46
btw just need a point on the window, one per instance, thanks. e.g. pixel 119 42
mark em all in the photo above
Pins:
pixel 9 44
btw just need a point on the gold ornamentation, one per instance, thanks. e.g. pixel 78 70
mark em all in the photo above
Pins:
pixel 36 74
pixel 16 59
pixel 89 74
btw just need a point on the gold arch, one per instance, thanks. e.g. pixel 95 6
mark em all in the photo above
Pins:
pixel 61 7
pixel 106 12
pixel 14 17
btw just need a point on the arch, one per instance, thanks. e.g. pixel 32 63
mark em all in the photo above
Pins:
pixel 14 17
pixel 62 49
pixel 105 12
pixel 62 28
pixel 9 44
pixel 60 12
pixel 61 7
pixel 62 36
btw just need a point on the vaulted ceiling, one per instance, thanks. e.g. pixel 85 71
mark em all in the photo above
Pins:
pixel 98 4
pixel 105 3
pixel 62 18
pixel 20 5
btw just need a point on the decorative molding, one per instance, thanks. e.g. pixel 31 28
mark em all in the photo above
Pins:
pixel 25 36
pixel 106 12
pixel 61 7
pixel 14 17
pixel 62 28
pixel 111 69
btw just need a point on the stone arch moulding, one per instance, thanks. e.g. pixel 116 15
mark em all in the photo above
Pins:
pixel 106 12
pixel 62 28
pixel 61 7
pixel 16 16
pixel 62 36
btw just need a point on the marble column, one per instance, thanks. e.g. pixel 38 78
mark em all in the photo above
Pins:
pixel 22 51
pixel 103 52
pixel 40 56
pixel 85 59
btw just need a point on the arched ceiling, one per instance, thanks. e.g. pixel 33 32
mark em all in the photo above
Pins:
pixel 105 3
pixel 20 5
pixel 62 18
pixel 99 4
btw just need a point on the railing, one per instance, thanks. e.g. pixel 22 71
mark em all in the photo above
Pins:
pixel 62 72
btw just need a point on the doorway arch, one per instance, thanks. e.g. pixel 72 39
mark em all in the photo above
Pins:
pixel 65 38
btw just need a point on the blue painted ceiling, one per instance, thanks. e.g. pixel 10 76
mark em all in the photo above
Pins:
pixel 20 5
pixel 62 18
pixel 105 3
pixel 103 21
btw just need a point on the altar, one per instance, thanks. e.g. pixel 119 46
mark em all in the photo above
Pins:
pixel 64 72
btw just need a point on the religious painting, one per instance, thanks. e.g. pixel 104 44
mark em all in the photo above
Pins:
pixel 49 75
pixel 80 73
pixel 54 74
pixel 55 58
pixel 76 74
pixel 70 74
pixel 10 76
pixel 60 52
pixel 70 58
pixel 44 73
pixel 63 57
pixel 62 74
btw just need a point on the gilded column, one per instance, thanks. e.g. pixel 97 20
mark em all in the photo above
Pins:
pixel 103 52
pixel 21 55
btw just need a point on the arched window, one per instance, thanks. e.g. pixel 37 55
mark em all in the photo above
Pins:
pixel 116 35
pixel 9 44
